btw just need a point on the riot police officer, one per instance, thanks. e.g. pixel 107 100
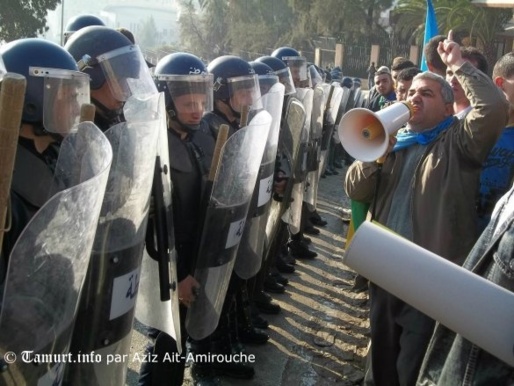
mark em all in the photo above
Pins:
pixel 298 244
pixel 50 241
pixel 80 21
pixel 127 110
pixel 117 69
pixel 236 88
pixel 187 87
pixel 48 113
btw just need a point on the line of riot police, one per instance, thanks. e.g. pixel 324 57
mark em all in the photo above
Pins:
pixel 186 195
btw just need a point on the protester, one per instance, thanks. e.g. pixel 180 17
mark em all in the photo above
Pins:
pixel 498 169
pixel 424 167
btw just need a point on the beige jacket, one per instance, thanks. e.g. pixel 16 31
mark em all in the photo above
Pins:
pixel 446 178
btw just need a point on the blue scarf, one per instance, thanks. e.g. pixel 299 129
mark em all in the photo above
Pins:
pixel 408 138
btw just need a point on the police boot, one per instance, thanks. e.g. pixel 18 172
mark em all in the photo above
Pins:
pixel 264 303
pixel 246 332
pixel 203 375
pixel 282 264
pixel 280 279
pixel 300 250
pixel 228 367
pixel 257 320
pixel 271 285
pixel 316 219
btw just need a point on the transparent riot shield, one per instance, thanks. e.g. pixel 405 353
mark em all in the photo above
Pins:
pixel 158 305
pixel 49 261
pixel 293 218
pixel 250 253
pixel 289 146
pixel 106 308
pixel 343 105
pixel 314 147
pixel 224 222
pixel 332 110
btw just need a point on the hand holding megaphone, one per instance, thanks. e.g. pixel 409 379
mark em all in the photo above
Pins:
pixel 367 135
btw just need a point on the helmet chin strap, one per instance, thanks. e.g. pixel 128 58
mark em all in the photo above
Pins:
pixel 189 129
pixel 39 131
pixel 112 116
pixel 235 113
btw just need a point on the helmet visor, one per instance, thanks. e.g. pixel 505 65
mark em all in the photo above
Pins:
pixel 298 66
pixel 190 93
pixel 127 73
pixel 243 92
pixel 65 91
pixel 266 82
pixel 315 76
pixel 285 77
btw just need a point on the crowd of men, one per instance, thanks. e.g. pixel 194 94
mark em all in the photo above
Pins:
pixel 190 191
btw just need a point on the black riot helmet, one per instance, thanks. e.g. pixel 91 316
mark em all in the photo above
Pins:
pixel 347 82
pixel 266 75
pixel 55 88
pixel 235 82
pixel 296 62
pixel 79 22
pixel 281 70
pixel 106 55
pixel 186 84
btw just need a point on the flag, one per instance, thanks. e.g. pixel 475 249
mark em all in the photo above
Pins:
pixel 430 31
pixel 359 214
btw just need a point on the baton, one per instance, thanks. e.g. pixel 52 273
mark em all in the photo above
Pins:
pixel 245 110
pixel 87 112
pixel 12 95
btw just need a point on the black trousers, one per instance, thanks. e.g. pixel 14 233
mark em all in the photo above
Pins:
pixel 165 367
pixel 399 338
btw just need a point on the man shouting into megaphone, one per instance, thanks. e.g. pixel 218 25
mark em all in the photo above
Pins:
pixel 426 194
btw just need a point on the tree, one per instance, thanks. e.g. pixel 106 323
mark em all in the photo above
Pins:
pixel 24 18
pixel 149 33
pixel 473 25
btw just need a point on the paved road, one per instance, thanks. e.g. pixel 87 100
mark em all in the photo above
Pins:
pixel 321 335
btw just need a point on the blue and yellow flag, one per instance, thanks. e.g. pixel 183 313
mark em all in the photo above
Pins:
pixel 430 31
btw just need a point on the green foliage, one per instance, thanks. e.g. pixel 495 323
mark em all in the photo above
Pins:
pixel 147 37
pixel 252 28
pixel 24 18
pixel 472 25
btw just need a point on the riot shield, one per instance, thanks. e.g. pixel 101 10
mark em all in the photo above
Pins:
pixel 293 218
pixel 250 253
pixel 49 261
pixel 289 145
pixel 333 106
pixel 314 148
pixel 106 308
pixel 224 222
pixel 158 307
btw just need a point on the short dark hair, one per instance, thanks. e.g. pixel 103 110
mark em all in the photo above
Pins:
pixel 400 63
pixel 431 54
pixel 407 74
pixel 476 56
pixel 128 34
pixel 504 67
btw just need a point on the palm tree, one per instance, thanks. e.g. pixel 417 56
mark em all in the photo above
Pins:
pixel 479 26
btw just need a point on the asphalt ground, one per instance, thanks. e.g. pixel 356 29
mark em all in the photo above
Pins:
pixel 321 335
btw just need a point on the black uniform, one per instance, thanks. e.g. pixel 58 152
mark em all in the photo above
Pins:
pixel 190 160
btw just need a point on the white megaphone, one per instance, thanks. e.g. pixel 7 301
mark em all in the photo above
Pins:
pixel 365 134
pixel 477 309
